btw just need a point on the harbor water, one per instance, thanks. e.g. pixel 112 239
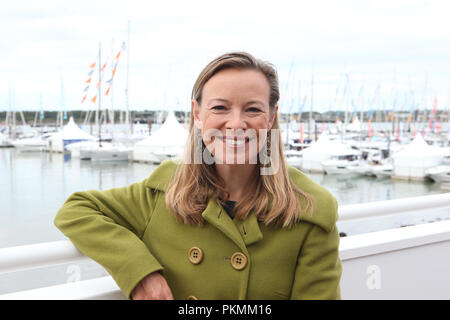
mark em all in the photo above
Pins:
pixel 34 185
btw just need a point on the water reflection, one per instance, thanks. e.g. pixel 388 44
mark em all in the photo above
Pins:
pixel 33 186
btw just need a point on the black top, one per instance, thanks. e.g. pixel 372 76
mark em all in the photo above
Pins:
pixel 228 206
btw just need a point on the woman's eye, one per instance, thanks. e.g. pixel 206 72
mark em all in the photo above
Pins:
pixel 253 109
pixel 219 108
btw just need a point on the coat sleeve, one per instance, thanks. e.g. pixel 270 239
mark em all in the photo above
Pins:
pixel 319 267
pixel 107 226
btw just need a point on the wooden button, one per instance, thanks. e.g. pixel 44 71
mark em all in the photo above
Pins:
pixel 238 260
pixel 195 255
pixel 192 298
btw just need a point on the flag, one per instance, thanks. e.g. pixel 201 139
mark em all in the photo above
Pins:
pixel 107 91
pixel 103 68
pixel 94 99
pixel 300 140
pixel 90 73
pixel 84 98
pixel 88 80
pixel 92 66
pixel 86 89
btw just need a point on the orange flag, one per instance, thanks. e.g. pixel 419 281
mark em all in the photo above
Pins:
pixel 92 65
pixel 107 91
pixel 301 133
pixel 94 99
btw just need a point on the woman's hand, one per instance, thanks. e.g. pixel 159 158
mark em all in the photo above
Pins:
pixel 152 287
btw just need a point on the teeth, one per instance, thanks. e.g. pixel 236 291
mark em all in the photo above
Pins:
pixel 235 142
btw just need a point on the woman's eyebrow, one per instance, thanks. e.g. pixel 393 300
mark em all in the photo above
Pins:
pixel 219 100
pixel 254 101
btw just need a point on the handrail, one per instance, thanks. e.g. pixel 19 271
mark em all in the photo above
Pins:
pixel 38 255
pixel 388 207
pixel 350 248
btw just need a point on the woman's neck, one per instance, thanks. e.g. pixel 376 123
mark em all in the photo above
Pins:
pixel 237 178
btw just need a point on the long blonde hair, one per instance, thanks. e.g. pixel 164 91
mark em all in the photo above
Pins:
pixel 273 198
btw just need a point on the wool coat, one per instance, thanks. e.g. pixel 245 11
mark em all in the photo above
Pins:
pixel 131 233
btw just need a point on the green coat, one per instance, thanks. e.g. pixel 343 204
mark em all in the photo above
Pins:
pixel 131 233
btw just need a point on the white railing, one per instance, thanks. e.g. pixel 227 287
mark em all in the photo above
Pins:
pixel 355 252
pixel 388 207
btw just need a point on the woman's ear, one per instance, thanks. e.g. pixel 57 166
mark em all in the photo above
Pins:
pixel 195 109
pixel 273 116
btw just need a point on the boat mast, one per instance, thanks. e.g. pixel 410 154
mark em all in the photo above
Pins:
pixel 99 93
pixel 311 106
pixel 127 115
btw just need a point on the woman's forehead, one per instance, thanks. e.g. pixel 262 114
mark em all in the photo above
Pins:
pixel 231 83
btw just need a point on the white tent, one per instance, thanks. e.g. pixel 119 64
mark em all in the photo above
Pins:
pixel 355 126
pixel 324 149
pixel 416 158
pixel 70 133
pixel 167 142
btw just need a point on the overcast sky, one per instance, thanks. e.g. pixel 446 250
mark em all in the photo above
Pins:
pixel 402 46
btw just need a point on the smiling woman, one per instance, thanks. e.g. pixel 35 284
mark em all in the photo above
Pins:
pixel 221 228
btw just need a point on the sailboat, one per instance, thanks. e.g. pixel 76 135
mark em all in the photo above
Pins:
pixel 103 151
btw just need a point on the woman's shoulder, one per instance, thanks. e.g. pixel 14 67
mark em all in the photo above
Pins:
pixel 325 214
pixel 161 176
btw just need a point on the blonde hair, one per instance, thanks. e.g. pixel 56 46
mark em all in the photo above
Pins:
pixel 274 198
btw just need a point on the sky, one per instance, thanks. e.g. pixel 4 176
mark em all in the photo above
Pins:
pixel 347 54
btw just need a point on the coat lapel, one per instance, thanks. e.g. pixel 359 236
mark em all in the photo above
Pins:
pixel 249 229
pixel 242 232
pixel 216 216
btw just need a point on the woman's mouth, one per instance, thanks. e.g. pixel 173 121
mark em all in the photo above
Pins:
pixel 235 142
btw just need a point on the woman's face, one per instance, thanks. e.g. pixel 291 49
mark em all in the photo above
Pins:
pixel 234 115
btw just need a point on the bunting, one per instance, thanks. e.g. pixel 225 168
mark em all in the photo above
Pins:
pixel 433 112
pixel 88 81
pixel 114 69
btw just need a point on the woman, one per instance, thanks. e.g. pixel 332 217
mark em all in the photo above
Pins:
pixel 231 221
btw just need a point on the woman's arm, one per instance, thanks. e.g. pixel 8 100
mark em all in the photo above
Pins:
pixel 107 226
pixel 319 267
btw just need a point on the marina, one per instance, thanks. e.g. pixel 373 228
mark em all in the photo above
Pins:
pixel 41 172
pixel 97 97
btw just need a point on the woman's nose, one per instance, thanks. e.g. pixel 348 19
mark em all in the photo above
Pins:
pixel 236 121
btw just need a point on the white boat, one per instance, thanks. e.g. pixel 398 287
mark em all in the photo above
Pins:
pixel 77 148
pixel 294 158
pixel 341 164
pixel 383 170
pixel 4 141
pixel 363 168
pixel 30 144
pixel 110 153
pixel 106 152
pixel 439 173
pixel 323 150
